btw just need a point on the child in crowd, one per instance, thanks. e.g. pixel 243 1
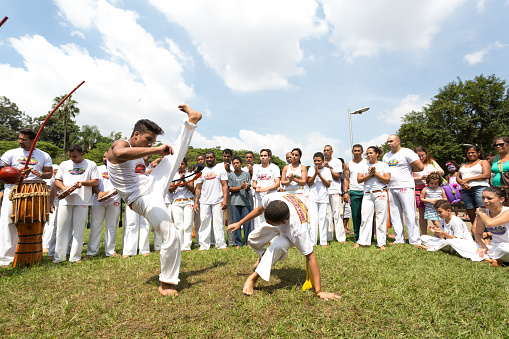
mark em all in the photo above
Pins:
pixel 319 179
pixel 450 227
pixel 452 168
pixel 431 194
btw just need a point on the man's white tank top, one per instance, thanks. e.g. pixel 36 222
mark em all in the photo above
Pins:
pixel 129 179
pixel 354 170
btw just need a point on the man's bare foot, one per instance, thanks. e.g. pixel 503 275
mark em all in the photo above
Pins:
pixel 224 249
pixel 248 287
pixel 78 262
pixel 145 254
pixel 342 242
pixel 88 256
pixel 382 248
pixel 325 246
pixel 186 251
pixel 237 247
pixel 114 254
pixel 125 256
pixel 256 263
pixel 356 246
pixel 494 262
pixel 194 116
pixel 168 290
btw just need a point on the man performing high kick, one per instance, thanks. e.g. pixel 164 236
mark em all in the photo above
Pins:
pixel 145 193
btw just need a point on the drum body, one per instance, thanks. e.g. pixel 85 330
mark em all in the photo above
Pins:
pixel 30 213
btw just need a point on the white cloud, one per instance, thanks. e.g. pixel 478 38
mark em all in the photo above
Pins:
pixel 365 27
pixel 251 45
pixel 478 56
pixel 412 102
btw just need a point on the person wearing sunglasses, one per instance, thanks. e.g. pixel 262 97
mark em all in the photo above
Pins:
pixel 500 163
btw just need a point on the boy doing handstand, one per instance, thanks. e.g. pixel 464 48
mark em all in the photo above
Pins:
pixel 287 218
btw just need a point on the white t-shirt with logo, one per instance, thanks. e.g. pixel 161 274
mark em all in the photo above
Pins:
pixel 70 173
pixel 401 171
pixel 354 169
pixel 17 158
pixel 104 186
pixel 265 177
pixel 457 228
pixel 373 183
pixel 212 189
pixel 337 167
pixel 318 191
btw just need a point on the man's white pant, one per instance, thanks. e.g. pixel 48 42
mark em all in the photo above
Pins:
pixel 50 225
pixel 260 219
pixel 135 225
pixel 53 235
pixel 336 206
pixel 108 214
pixel 402 200
pixel 183 215
pixel 372 202
pixel 197 225
pixel 152 207
pixel 229 221
pixel 8 231
pixel 318 218
pixel 211 214
pixel 71 219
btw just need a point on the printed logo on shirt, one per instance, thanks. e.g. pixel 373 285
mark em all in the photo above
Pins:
pixel 140 168
pixel 265 177
pixel 105 175
pixel 76 171
pixel 499 230
pixel 393 162
pixel 299 207
pixel 210 176
pixel 23 161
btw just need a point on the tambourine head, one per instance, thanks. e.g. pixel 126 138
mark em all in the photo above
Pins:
pixel 10 175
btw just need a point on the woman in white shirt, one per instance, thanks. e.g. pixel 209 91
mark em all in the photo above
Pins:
pixel 375 175
pixel 474 178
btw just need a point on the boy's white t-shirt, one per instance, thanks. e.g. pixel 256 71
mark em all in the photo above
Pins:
pixel 318 191
pixel 297 227
pixel 265 177
pixel 212 189
pixel 373 183
pixel 70 173
pixel 17 158
pixel 337 167
pixel 456 228
pixel 401 171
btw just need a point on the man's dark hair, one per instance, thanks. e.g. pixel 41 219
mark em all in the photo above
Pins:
pixel 237 158
pixel 199 155
pixel 210 152
pixel 145 125
pixel 318 155
pixel 29 133
pixel 249 152
pixel 269 152
pixel 358 146
pixel 277 212
pixel 75 147
pixel 227 151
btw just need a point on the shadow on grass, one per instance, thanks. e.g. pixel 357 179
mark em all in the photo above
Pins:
pixel 288 278
pixel 184 281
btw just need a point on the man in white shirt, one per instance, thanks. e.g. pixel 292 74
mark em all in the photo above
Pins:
pixel 212 194
pixel 73 210
pixel 266 180
pixel 354 191
pixel 228 167
pixel 402 162
pixel 39 167
pixel 336 201
pixel 107 212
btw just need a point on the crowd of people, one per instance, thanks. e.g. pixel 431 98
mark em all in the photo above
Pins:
pixel 233 202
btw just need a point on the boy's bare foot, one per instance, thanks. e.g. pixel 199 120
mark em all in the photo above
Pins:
pixel 194 116
pixel 342 242
pixel 114 254
pixel 382 248
pixel 168 290
pixel 78 262
pixel 125 256
pixel 494 262
pixel 145 254
pixel 325 246
pixel 237 247
pixel 356 246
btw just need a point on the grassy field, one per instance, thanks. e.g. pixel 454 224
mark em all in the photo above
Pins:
pixel 401 292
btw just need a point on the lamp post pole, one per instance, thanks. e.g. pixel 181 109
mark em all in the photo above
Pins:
pixel 359 111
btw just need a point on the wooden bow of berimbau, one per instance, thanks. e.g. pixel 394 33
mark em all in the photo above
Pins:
pixel 197 173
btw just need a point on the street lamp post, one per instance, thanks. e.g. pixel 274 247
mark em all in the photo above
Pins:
pixel 359 111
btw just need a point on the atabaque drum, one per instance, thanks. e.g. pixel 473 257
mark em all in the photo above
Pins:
pixel 30 213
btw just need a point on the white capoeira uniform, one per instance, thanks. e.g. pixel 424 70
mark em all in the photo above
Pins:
pixel 265 177
pixel 375 199
pixel 336 201
pixel 108 212
pixel 211 213
pixel 145 193
pixel 183 214
pixel 73 210
pixel 317 204
pixel 8 231
pixel 402 196
pixel 457 228
pixel 498 249
pixel 49 233
pixel 295 232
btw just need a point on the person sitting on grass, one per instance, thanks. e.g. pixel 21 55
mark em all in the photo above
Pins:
pixel 450 227
pixel 285 217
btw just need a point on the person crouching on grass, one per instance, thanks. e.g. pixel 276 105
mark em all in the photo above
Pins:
pixel 285 217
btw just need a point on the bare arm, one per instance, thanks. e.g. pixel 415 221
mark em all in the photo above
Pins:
pixel 224 186
pixel 302 181
pixel 438 169
pixel 121 152
pixel 315 272
pixel 253 214
pixel 311 179
pixel 346 183
pixel 325 181
pixel 197 194
pixel 486 173
pixel 284 181
pixel 417 166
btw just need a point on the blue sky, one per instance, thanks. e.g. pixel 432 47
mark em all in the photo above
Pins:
pixel 266 74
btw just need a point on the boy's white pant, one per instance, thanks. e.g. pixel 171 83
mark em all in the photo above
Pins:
pixel 372 202
pixel 436 243
pixel 183 215
pixel 50 225
pixel 108 214
pixel 8 231
pixel 277 251
pixel 211 214
pixel 336 205
pixel 135 225
pixel 402 200
pixel 318 218
pixel 71 219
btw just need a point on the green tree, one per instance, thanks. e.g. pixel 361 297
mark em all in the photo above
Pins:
pixel 463 112
pixel 87 137
pixel 67 111
pixel 96 153
pixel 54 131
pixel 11 120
